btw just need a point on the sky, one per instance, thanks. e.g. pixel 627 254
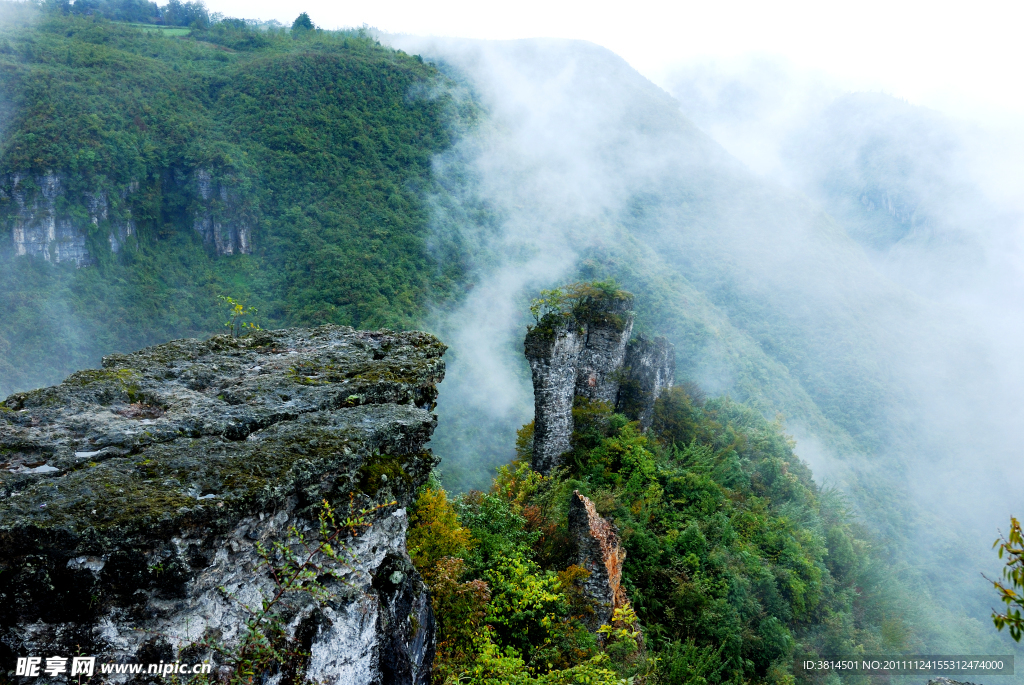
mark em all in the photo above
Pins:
pixel 961 58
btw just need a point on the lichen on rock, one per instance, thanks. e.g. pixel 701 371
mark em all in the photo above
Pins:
pixel 596 547
pixel 132 498
pixel 587 352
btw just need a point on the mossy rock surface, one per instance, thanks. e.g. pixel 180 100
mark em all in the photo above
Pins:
pixel 183 441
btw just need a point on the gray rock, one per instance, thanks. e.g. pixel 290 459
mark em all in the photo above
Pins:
pixel 604 351
pixel 165 471
pixel 40 227
pixel 37 228
pixel 554 362
pixel 587 353
pixel 219 216
pixel 597 548
pixel 650 368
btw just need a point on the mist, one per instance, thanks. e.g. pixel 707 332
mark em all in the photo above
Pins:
pixel 930 200
pixel 847 259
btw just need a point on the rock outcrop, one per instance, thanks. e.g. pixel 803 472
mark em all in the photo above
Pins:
pixel 39 229
pixel 553 361
pixel 596 547
pixel 219 217
pixel 43 220
pixel 649 368
pixel 588 353
pixel 134 500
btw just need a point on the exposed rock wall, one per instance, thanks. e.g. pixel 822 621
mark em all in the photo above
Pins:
pixel 554 362
pixel 36 227
pixel 591 356
pixel 132 500
pixel 650 368
pixel 218 217
pixel 597 372
pixel 597 548
pixel 41 225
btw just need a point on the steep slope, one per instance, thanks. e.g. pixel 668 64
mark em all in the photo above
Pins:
pixel 585 169
pixel 326 178
pixel 288 172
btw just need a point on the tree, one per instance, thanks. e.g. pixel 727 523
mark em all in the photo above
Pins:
pixel 302 23
pixel 1012 593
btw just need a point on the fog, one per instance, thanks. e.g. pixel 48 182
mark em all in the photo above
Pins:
pixel 933 202
pixel 861 254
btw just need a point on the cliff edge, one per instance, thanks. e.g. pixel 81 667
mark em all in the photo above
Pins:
pixel 135 501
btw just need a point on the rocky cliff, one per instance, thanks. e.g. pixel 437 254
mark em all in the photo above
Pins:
pixel 49 221
pixel 135 501
pixel 587 352
pixel 219 216
pixel 597 548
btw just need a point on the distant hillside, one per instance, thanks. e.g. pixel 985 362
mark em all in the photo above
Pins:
pixel 286 171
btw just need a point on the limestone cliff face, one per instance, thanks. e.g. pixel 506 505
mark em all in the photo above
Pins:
pixel 603 354
pixel 597 548
pixel 649 368
pixel 46 219
pixel 589 354
pixel 41 227
pixel 133 498
pixel 218 216
pixel 553 361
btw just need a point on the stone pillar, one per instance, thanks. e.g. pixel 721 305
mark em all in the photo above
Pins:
pixel 604 351
pixel 554 356
pixel 596 547
pixel 650 368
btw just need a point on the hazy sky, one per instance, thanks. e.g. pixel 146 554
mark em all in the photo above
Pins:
pixel 963 58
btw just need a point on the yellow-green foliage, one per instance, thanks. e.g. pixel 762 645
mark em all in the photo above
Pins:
pixel 460 609
pixel 526 604
pixel 736 562
pixel 434 531
pixel 1012 593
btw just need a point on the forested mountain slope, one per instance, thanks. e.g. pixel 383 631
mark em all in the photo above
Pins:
pixel 588 170
pixel 322 177
pixel 286 171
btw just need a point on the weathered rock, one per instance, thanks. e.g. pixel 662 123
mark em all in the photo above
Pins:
pixel 554 362
pixel 588 353
pixel 598 369
pixel 596 547
pixel 650 368
pixel 36 208
pixel 37 228
pixel 132 500
pixel 220 217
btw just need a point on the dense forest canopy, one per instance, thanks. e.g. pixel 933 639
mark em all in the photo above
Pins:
pixel 320 139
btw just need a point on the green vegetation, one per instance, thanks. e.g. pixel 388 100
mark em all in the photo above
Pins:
pixel 1012 593
pixel 238 314
pixel 322 141
pixel 736 561
pixel 579 302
